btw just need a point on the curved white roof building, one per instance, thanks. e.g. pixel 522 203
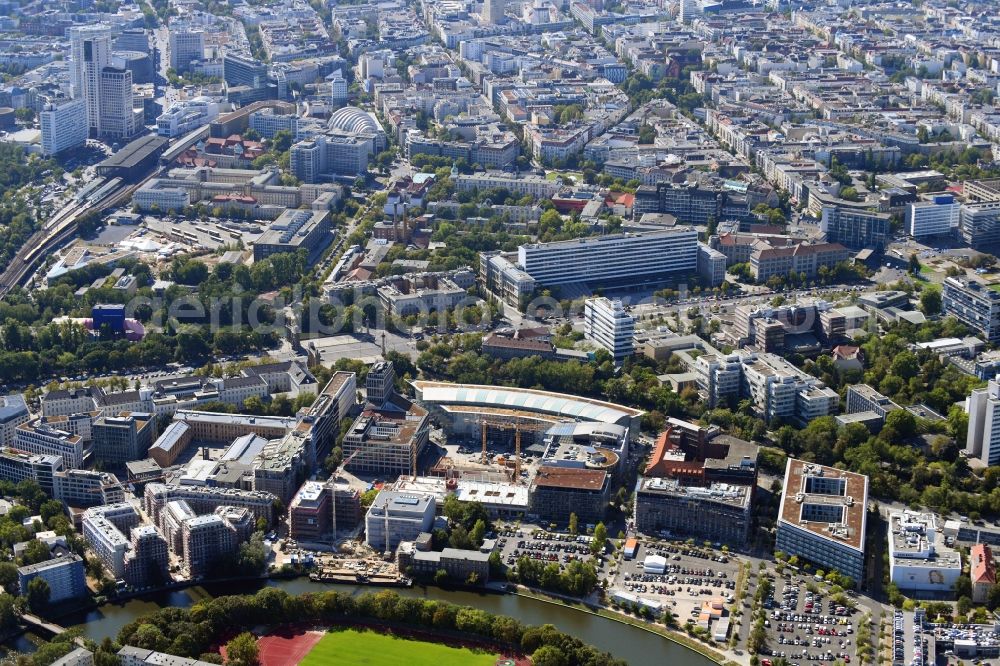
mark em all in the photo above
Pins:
pixel 531 402
pixel 354 120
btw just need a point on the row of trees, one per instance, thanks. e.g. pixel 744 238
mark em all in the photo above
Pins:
pixel 192 632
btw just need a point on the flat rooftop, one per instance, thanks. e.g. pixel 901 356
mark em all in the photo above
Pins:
pixel 829 503
pixel 570 478
pixel 721 493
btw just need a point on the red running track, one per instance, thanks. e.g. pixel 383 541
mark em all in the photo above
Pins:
pixel 288 647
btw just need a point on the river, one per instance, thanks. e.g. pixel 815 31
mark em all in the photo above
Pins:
pixel 634 645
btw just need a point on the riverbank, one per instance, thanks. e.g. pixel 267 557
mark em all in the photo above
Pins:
pixel 724 657
pixel 627 640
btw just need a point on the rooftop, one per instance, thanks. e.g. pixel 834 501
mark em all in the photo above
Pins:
pixel 570 478
pixel 827 502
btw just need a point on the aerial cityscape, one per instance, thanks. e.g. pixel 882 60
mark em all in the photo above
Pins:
pixel 499 332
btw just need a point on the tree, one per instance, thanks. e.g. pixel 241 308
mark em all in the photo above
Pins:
pixel 914 264
pixel 38 594
pixel 600 539
pixel 242 650
pixel 35 552
pixel 574 524
pixel 930 299
pixel 549 655
pixel 8 576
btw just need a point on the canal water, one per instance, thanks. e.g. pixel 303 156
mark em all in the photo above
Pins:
pixel 624 641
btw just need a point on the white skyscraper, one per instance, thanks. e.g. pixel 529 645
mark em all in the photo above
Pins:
pixel 117 119
pixel 61 124
pixel 607 324
pixel 983 408
pixel 338 89
pixel 77 36
pixel 93 56
pixel 106 91
pixel 689 10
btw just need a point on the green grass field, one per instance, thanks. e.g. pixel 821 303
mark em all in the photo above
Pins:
pixel 354 648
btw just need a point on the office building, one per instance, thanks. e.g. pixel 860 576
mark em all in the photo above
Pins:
pixel 294 229
pixel 856 229
pixel 458 564
pixel 46 440
pixel 557 491
pixel 802 258
pixel 638 258
pixel 85 488
pixel 338 89
pixel 239 70
pixel 920 564
pixel 665 506
pixel 394 517
pixel 493 11
pixel 185 116
pixel 185 46
pixel 979 224
pixel 983 438
pixel 608 325
pixel 937 217
pixel 333 404
pixel 87 60
pixel 689 203
pixel 973 304
pixel 16 466
pixel 267 123
pixel 105 90
pixel 503 281
pixel 330 156
pixel 387 440
pixel 776 387
pixel 867 405
pixel 13 412
pixel 711 265
pixel 822 517
pixel 206 499
pixel 380 383
pixel 118 120
pixel 65 576
pixel 983 572
pixel 537 186
pixel 94 55
pixel 62 129
pixel 121 439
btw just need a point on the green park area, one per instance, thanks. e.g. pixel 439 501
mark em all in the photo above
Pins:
pixel 355 648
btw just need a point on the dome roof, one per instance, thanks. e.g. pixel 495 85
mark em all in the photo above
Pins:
pixel 353 119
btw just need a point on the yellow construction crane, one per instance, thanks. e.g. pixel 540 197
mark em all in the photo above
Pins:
pixel 517 426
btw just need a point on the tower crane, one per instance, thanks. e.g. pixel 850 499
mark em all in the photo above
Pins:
pixel 518 425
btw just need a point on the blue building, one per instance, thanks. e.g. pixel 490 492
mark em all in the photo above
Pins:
pixel 110 315
pixel 64 574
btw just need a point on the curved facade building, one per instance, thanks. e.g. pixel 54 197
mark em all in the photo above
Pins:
pixel 460 407
pixel 355 121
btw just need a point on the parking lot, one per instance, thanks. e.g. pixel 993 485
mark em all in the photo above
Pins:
pixel 692 575
pixel 538 544
pixel 807 624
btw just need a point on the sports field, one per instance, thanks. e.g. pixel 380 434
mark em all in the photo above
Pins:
pixel 356 648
